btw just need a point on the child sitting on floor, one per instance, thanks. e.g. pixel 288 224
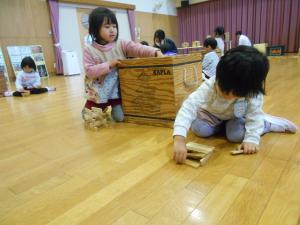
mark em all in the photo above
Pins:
pixel 28 81
pixel 233 98
pixel 101 60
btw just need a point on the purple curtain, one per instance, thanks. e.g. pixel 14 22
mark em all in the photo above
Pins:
pixel 131 20
pixel 276 22
pixel 54 14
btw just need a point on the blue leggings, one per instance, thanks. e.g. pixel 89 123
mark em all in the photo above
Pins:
pixel 234 129
pixel 117 113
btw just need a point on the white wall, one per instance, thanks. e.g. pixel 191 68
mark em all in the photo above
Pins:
pixel 69 32
pixel 69 28
pixel 167 7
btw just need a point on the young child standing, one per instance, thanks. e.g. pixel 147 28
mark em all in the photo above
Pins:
pixel 233 98
pixel 219 36
pixel 101 59
pixel 28 81
pixel 210 60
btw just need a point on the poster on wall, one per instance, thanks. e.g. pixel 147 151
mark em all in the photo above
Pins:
pixel 3 69
pixel 17 53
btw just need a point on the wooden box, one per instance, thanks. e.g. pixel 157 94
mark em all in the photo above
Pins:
pixel 153 89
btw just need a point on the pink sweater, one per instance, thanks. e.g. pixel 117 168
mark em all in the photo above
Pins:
pixel 94 68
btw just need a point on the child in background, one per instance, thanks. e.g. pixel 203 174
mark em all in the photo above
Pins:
pixel 243 39
pixel 28 81
pixel 210 60
pixel 233 98
pixel 219 36
pixel 160 39
pixel 167 50
pixel 101 59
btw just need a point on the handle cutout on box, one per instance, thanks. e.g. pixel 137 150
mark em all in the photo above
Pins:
pixel 192 83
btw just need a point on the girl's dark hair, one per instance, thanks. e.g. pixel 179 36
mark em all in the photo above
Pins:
pixel 96 19
pixel 144 43
pixel 28 61
pixel 219 30
pixel 210 42
pixel 160 34
pixel 242 71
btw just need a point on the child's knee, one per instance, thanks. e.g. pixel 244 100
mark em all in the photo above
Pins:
pixel 117 113
pixel 235 130
pixel 235 137
pixel 202 129
pixel 118 117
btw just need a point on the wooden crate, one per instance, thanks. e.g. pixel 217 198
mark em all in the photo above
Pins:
pixel 153 89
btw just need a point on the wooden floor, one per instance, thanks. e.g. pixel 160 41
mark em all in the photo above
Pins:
pixel 54 171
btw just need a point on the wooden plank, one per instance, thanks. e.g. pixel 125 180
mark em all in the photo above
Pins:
pixel 192 163
pixel 137 197
pixel 252 200
pixel 199 147
pixel 167 61
pixel 95 202
pixel 165 193
pixel 237 152
pixel 131 218
pixel 284 147
pixel 217 202
pixel 177 208
pixel 284 205
pixel 210 176
pixel 196 155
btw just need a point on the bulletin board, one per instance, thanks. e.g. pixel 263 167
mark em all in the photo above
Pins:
pixel 17 53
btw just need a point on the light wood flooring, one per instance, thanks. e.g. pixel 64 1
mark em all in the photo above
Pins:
pixel 54 171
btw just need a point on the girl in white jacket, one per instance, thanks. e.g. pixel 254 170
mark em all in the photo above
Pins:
pixel 232 99
pixel 28 81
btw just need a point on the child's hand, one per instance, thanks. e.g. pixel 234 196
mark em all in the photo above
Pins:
pixel 114 63
pixel 248 148
pixel 180 150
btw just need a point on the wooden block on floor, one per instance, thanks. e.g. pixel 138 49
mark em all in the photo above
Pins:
pixel 192 146
pixel 192 163
pixel 198 154
pixel 237 152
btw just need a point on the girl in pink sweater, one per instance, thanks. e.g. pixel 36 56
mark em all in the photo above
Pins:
pixel 101 59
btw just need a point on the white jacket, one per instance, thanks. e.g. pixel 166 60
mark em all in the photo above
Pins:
pixel 206 97
pixel 29 80
pixel 244 40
